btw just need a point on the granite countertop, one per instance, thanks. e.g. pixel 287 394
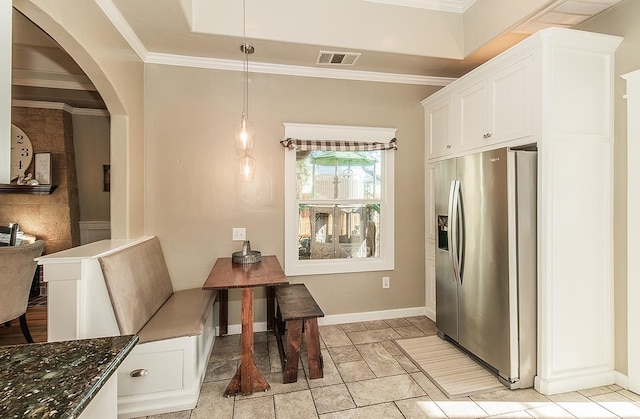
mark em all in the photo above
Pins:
pixel 57 379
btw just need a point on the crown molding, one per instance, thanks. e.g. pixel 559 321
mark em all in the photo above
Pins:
pixel 454 6
pixel 123 27
pixel 59 106
pixel 292 70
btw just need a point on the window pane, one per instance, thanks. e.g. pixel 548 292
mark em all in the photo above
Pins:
pixel 325 175
pixel 338 231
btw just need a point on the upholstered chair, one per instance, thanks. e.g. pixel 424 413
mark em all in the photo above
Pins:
pixel 17 267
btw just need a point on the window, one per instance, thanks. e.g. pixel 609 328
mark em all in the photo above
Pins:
pixel 338 199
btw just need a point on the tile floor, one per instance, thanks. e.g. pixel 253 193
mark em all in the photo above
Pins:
pixel 367 376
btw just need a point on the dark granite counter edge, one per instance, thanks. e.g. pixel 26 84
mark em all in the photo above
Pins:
pixel 93 391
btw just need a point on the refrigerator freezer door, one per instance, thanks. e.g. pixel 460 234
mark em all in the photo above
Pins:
pixel 483 297
pixel 446 286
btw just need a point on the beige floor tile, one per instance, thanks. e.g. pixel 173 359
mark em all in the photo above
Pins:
pixel 595 391
pixel 550 411
pixel 225 353
pixel 428 386
pixel 425 324
pixel 229 340
pixel 618 404
pixel 333 336
pixel 421 407
pixel 513 415
pixel 183 414
pixel 332 398
pixel 385 389
pixel 494 408
pixel 353 327
pixel 345 354
pixel 376 324
pixel 384 410
pixel 329 370
pixel 220 370
pixel 277 387
pixel 585 410
pixel 522 395
pixel 274 357
pixel 295 405
pixel 355 371
pixel 212 403
pixel 572 396
pixel 631 395
pixel 392 348
pixel 461 409
pixel 400 322
pixel 406 364
pixel 409 332
pixel 259 408
pixel 615 387
pixel 380 360
pixel 373 336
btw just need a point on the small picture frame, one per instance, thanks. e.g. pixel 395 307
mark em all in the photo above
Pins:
pixel 106 177
pixel 43 168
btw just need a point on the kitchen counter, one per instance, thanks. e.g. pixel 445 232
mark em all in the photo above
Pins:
pixel 58 379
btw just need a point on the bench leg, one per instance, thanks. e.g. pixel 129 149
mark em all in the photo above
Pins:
pixel 292 353
pixel 271 302
pixel 223 311
pixel 314 357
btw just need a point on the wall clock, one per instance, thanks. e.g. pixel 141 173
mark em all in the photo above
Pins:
pixel 21 152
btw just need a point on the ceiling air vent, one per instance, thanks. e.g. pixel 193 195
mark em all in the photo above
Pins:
pixel 337 58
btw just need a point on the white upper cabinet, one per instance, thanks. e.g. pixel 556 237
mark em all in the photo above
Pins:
pixel 439 128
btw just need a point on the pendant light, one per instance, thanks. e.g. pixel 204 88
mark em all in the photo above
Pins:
pixel 244 128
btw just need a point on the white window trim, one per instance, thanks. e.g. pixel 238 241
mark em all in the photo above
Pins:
pixel 292 265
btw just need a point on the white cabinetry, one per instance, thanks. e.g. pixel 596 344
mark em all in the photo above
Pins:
pixel 554 89
pixel 496 108
pixel 439 128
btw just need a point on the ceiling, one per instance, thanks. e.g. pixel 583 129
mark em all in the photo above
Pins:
pixel 400 41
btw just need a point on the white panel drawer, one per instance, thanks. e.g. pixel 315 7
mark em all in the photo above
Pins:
pixel 164 373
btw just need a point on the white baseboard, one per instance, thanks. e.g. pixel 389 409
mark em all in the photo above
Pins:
pixel 622 380
pixel 576 381
pixel 236 329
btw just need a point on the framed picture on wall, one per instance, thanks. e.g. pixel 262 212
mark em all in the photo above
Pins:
pixel 106 177
pixel 43 168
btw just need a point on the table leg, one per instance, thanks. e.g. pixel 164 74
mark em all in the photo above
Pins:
pixel 271 303
pixel 223 311
pixel 247 379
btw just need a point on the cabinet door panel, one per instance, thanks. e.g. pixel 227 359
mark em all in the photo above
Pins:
pixel 511 99
pixel 474 107
pixel 439 132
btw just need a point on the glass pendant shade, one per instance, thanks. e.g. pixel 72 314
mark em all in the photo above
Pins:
pixel 247 168
pixel 244 133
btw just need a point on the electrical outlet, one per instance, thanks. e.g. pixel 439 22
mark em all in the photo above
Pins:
pixel 385 282
pixel 239 233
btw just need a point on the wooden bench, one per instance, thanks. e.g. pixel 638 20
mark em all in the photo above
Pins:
pixel 298 312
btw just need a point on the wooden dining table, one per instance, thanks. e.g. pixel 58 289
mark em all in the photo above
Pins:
pixel 226 275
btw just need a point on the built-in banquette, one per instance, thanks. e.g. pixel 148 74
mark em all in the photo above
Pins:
pixel 120 287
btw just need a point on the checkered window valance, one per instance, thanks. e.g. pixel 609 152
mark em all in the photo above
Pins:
pixel 337 145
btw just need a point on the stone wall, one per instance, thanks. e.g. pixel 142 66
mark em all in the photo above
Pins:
pixel 53 218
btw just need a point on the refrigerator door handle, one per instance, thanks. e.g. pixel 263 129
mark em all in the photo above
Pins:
pixel 459 220
pixel 453 228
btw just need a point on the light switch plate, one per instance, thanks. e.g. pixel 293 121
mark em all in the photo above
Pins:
pixel 239 233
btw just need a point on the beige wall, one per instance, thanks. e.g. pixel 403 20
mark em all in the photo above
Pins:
pixel 193 197
pixel 85 32
pixel 621 20
pixel 91 144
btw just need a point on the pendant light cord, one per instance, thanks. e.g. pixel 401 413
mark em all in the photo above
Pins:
pixel 245 50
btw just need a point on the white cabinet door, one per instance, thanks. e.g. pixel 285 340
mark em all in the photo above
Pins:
pixel 511 103
pixel 474 112
pixel 496 109
pixel 439 128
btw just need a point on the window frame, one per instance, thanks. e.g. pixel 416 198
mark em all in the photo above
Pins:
pixel 293 265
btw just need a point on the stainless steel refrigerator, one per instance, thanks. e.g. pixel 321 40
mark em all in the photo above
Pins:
pixel 485 207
